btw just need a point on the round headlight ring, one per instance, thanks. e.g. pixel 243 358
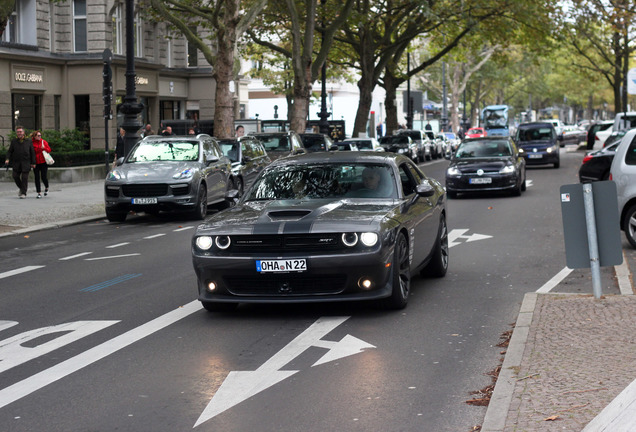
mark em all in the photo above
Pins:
pixel 350 239
pixel 204 242
pixel 222 242
pixel 369 239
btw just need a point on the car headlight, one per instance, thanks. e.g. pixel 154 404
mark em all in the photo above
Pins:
pixel 453 171
pixel 369 238
pixel 114 175
pixel 204 242
pixel 521 150
pixel 350 239
pixel 222 242
pixel 185 174
pixel 551 149
pixel 508 169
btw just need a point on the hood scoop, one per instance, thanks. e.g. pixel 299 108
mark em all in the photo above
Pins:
pixel 288 215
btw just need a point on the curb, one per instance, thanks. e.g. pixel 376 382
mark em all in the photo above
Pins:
pixel 51 225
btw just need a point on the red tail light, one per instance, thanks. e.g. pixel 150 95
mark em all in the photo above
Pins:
pixel 610 177
pixel 587 158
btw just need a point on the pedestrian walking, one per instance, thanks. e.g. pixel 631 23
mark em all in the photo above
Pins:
pixel 41 167
pixel 21 157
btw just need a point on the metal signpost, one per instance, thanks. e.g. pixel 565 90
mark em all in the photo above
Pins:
pixel 107 96
pixel 591 228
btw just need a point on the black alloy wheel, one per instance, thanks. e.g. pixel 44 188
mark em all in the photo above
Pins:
pixel 629 225
pixel 201 207
pixel 401 275
pixel 438 266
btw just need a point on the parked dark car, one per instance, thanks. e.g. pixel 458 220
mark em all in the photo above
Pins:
pixel 425 148
pixel 596 165
pixel 248 158
pixel 347 146
pixel 169 173
pixel 334 226
pixel 486 164
pixel 400 144
pixel 314 142
pixel 280 144
pixel 538 143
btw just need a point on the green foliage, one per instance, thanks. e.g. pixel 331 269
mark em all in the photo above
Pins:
pixel 66 140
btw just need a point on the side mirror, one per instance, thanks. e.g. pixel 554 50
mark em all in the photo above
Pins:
pixel 119 161
pixel 425 189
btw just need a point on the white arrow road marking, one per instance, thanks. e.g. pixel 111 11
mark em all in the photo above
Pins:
pixel 459 233
pixel 35 382
pixel 18 271
pixel 241 385
pixel 529 183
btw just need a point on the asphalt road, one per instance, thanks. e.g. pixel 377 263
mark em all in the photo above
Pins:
pixel 100 330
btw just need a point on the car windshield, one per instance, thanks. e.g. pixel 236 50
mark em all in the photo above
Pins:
pixel 481 149
pixel 413 134
pixel 535 134
pixel 165 151
pixel 324 182
pixel 230 149
pixel 364 145
pixel 314 143
pixel 394 139
pixel 474 131
pixel 450 135
pixel 275 142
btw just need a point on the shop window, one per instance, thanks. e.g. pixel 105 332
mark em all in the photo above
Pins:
pixel 170 110
pixel 118 29
pixel 27 110
pixel 80 36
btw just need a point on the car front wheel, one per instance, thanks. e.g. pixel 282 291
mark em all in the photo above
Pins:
pixel 438 266
pixel 201 207
pixel 401 275
pixel 629 225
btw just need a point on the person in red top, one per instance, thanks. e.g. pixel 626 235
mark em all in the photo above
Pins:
pixel 41 168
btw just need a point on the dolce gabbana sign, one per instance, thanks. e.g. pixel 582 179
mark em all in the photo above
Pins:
pixel 26 77
pixel 141 80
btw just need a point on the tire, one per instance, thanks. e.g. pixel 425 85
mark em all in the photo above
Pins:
pixel 116 216
pixel 516 191
pixel 401 275
pixel 438 266
pixel 523 185
pixel 557 164
pixel 219 307
pixel 629 226
pixel 201 208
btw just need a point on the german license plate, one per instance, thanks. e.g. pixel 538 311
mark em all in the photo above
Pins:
pixel 144 200
pixel 280 266
pixel 480 180
pixel 535 156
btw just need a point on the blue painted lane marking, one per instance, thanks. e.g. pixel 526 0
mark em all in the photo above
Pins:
pixel 119 279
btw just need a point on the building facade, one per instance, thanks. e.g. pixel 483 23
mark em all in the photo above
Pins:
pixel 51 78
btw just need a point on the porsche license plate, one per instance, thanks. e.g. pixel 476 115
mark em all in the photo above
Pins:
pixel 144 200
pixel 279 266
pixel 480 180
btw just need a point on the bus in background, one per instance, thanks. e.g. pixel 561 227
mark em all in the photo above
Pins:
pixel 494 119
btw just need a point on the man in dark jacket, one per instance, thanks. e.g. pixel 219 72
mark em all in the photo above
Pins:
pixel 21 156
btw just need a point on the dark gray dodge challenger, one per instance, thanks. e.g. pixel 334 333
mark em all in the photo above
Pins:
pixel 319 227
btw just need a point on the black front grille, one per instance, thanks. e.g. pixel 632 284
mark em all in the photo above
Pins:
pixel 145 190
pixel 112 193
pixel 285 285
pixel 321 242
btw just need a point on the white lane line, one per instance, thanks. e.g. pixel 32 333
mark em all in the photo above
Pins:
pixel 154 236
pixel 117 245
pixel 36 382
pixel 75 256
pixel 18 271
pixel 547 287
pixel 183 229
pixel 110 257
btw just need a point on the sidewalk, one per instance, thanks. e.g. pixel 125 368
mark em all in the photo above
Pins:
pixel 66 204
pixel 570 360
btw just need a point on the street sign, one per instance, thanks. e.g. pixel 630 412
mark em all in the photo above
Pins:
pixel 575 224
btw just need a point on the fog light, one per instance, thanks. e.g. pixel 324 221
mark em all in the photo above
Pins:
pixel 350 239
pixel 211 286
pixel 365 283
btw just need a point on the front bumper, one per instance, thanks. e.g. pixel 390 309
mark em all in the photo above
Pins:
pixel 464 183
pixel 125 197
pixel 328 278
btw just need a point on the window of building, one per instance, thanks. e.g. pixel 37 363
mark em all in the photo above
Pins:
pixel 11 31
pixel 139 36
pixel 27 110
pixel 193 52
pixel 82 114
pixel 56 111
pixel 169 52
pixel 80 36
pixel 20 24
pixel 170 110
pixel 118 29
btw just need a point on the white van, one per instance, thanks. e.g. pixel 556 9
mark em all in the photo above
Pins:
pixel 625 121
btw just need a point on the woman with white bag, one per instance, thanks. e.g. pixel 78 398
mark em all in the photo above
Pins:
pixel 41 164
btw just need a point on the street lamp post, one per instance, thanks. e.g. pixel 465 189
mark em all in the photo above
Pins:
pixel 444 107
pixel 130 108
pixel 323 114
pixel 409 101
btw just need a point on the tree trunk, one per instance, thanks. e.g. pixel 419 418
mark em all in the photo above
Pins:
pixel 300 107
pixel 390 87
pixel 224 106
